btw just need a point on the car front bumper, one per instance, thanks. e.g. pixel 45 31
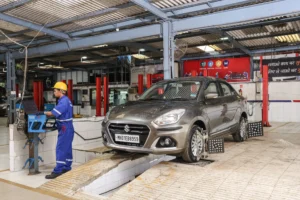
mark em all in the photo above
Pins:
pixel 177 133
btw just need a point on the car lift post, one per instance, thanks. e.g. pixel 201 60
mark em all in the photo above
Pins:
pixel 41 95
pixel 36 93
pixel 98 96
pixel 149 80
pixel 105 94
pixel 70 90
pixel 266 96
pixel 140 84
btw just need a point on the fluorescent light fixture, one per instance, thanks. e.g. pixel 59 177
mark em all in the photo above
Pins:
pixel 84 57
pixel 206 48
pixel 117 29
pixel 224 38
pixel 183 32
pixel 141 50
pixel 140 56
pixel 100 46
pixel 41 63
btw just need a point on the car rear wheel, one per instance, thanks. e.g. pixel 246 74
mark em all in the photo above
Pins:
pixel 195 145
pixel 242 133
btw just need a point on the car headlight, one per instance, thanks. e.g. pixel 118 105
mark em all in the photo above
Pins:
pixel 171 117
pixel 106 117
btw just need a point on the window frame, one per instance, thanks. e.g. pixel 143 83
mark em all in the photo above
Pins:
pixel 232 90
pixel 218 90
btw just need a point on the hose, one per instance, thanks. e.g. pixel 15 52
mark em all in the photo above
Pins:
pixel 88 138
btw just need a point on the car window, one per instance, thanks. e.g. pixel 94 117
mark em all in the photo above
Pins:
pixel 227 91
pixel 212 90
pixel 177 90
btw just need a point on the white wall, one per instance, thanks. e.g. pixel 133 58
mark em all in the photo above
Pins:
pixel 278 111
pixel 87 127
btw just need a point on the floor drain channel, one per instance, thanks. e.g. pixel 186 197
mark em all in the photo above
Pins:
pixel 201 163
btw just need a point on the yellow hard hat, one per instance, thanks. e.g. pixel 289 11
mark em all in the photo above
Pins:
pixel 60 86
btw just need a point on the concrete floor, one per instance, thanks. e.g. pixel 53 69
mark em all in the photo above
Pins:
pixel 4 141
pixel 260 168
pixel 9 192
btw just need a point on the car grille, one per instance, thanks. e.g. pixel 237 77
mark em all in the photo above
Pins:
pixel 141 130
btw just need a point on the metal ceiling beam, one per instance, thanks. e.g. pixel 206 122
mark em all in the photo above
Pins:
pixel 277 49
pixel 239 15
pixel 206 56
pixel 231 39
pixel 149 7
pixel 33 26
pixel 140 46
pixel 13 5
pixel 113 37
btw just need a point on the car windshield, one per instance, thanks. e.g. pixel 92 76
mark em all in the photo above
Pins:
pixel 177 90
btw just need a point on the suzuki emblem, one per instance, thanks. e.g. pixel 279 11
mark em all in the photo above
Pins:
pixel 126 128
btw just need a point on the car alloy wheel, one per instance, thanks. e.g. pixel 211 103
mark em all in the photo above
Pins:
pixel 244 129
pixel 197 144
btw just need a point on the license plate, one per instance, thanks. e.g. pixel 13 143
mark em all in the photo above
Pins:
pixel 127 138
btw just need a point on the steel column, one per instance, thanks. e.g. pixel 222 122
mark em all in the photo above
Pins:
pixel 140 84
pixel 98 96
pixel 149 80
pixel 266 96
pixel 261 64
pixel 105 94
pixel 11 87
pixel 168 44
pixel 70 90
pixel 251 68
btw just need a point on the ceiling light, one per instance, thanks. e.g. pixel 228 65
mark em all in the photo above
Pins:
pixel 100 46
pixel 140 56
pixel 84 57
pixel 206 48
pixel 224 38
pixel 41 63
pixel 141 50
pixel 117 29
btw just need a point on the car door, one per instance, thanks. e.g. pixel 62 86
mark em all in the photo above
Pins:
pixel 213 106
pixel 230 105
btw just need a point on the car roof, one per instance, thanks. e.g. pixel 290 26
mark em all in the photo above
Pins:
pixel 196 78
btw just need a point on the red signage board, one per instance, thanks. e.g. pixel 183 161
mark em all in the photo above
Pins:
pixel 231 69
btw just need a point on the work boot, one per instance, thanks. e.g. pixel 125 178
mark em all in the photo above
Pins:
pixel 65 171
pixel 53 175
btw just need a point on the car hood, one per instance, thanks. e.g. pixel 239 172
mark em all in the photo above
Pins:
pixel 145 111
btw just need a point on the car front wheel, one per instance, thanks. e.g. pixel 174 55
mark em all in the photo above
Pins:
pixel 242 133
pixel 195 145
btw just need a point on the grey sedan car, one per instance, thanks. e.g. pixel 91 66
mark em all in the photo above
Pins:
pixel 172 116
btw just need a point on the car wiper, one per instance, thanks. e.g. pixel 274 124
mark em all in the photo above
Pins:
pixel 152 99
pixel 180 99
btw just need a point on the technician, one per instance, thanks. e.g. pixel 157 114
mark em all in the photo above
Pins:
pixel 63 113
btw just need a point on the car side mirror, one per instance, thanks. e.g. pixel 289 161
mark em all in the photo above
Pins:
pixel 211 96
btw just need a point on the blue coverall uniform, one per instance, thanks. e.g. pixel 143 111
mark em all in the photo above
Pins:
pixel 64 119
